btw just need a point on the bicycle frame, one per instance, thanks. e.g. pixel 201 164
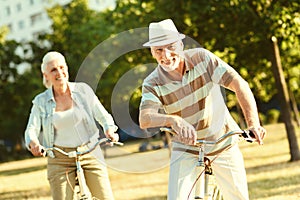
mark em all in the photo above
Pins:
pixel 201 184
pixel 80 151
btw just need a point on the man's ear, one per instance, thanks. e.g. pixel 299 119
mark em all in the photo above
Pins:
pixel 182 45
pixel 152 52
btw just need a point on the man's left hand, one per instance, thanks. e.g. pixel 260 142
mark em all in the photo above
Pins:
pixel 259 133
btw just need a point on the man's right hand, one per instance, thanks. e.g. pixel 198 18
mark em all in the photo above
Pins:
pixel 186 133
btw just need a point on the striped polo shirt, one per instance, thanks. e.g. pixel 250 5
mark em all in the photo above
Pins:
pixel 197 98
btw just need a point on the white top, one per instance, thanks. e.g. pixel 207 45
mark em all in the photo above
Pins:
pixel 70 130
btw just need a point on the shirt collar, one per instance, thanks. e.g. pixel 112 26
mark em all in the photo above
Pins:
pixel 188 62
pixel 50 95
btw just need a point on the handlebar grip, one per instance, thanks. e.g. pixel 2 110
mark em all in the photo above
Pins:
pixel 251 134
pixel 118 143
pixel 44 152
pixel 109 141
pixel 248 136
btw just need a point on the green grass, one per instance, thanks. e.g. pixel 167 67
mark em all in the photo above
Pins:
pixel 270 174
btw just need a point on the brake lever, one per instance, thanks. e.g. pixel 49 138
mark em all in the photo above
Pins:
pixel 249 136
pixel 109 141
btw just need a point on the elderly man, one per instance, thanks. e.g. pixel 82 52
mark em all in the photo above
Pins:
pixel 187 85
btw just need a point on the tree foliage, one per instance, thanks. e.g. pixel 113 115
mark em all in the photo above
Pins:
pixel 238 31
pixel 8 76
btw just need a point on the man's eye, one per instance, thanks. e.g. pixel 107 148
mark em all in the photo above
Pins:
pixel 171 47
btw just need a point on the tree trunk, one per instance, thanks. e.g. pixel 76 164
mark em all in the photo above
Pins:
pixel 295 108
pixel 284 102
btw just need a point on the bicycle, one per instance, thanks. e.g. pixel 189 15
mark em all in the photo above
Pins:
pixel 83 193
pixel 205 187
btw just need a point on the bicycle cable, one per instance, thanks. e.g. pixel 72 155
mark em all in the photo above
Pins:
pixel 198 177
pixel 68 180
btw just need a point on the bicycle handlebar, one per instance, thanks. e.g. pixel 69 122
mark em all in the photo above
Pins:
pixel 77 152
pixel 246 134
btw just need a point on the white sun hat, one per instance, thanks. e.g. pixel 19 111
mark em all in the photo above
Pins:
pixel 162 33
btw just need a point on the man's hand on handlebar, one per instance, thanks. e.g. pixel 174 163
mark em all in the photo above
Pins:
pixel 259 133
pixel 186 133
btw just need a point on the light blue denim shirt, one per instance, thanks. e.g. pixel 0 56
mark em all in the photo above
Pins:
pixel 40 127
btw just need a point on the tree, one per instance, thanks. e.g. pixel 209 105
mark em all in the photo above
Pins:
pixel 238 31
pixel 9 61
pixel 77 30
pixel 285 103
pixel 17 89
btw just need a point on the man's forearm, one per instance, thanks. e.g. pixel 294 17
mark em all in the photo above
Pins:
pixel 151 120
pixel 155 120
pixel 248 105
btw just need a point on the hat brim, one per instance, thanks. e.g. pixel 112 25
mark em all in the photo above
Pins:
pixel 164 42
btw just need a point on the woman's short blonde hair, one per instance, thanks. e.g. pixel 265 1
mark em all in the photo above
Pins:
pixel 48 57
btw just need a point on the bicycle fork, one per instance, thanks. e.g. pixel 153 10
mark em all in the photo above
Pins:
pixel 201 187
pixel 84 190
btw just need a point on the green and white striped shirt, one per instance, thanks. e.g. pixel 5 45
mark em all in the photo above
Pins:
pixel 197 98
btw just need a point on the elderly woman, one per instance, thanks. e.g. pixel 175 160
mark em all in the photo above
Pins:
pixel 64 115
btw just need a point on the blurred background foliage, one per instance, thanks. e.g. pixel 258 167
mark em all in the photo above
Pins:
pixel 237 31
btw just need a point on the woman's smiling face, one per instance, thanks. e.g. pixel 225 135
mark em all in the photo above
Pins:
pixel 57 72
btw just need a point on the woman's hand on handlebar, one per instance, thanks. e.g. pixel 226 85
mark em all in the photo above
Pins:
pixel 110 133
pixel 36 149
pixel 186 133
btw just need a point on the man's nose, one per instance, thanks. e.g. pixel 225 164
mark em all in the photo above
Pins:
pixel 167 53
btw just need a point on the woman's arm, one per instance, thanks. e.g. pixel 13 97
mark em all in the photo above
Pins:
pixel 101 115
pixel 32 132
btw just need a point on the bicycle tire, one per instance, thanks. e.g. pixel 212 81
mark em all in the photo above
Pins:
pixel 214 192
pixel 217 195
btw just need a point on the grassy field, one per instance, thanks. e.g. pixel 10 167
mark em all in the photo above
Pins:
pixel 144 176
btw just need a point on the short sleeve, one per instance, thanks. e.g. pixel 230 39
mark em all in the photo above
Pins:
pixel 221 73
pixel 150 98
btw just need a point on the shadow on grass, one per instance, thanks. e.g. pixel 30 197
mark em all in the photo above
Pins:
pixel 272 167
pixel 162 197
pixel 270 187
pixel 279 184
pixel 41 193
pixel 275 155
pixel 21 170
